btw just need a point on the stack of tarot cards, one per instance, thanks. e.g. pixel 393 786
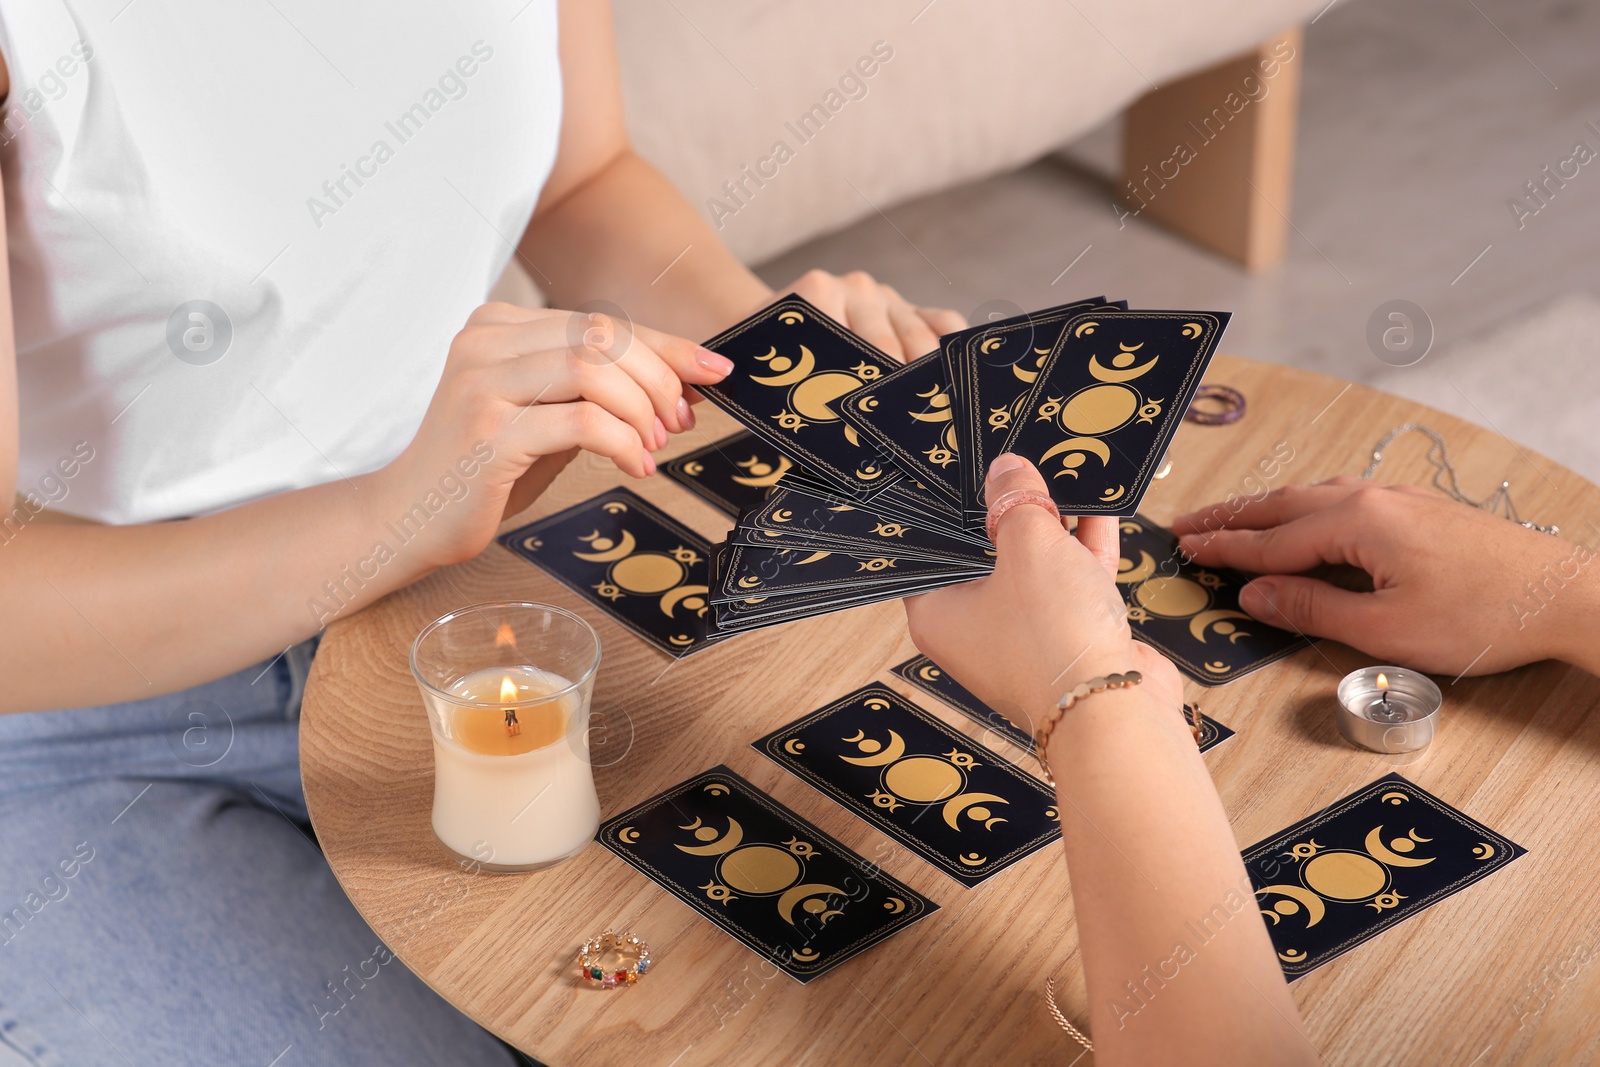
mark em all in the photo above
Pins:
pixel 883 495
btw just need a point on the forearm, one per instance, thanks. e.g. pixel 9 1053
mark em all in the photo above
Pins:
pixel 628 237
pixel 100 614
pixel 1177 962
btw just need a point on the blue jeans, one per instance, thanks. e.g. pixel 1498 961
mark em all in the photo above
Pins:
pixel 162 901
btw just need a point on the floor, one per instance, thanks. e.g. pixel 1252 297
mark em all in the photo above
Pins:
pixel 1419 122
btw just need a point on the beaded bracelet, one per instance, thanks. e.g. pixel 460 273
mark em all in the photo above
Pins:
pixel 595 949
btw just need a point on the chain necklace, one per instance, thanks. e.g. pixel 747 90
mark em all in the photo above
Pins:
pixel 1439 455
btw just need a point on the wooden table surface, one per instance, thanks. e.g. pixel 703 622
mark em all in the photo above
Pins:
pixel 1505 971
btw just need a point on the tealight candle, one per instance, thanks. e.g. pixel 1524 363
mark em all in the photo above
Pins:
pixel 513 789
pixel 1388 709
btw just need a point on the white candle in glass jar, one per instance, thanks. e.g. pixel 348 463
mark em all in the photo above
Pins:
pixel 513 799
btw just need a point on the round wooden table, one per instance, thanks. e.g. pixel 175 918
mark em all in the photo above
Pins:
pixel 1504 971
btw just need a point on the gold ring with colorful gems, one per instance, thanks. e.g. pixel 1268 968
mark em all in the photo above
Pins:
pixel 628 962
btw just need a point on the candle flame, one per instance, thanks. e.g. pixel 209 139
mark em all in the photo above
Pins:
pixel 504 636
pixel 508 690
pixel 1383 681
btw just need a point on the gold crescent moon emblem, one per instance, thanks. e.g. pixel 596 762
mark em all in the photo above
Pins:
pixel 687 595
pixel 726 843
pixel 805 955
pixel 1214 619
pixel 1081 445
pixel 1192 329
pixel 749 581
pixel 957 805
pixel 794 896
pixel 1026 376
pixel 1107 374
pixel 1394 797
pixel 759 480
pixel 1129 573
pixel 1383 854
pixel 1111 495
pixel 813 558
pixel 607 554
pixel 939 401
pixel 1484 851
pixel 1315 908
pixel 990 344
pixel 972 859
pixel 1084 329
pixel 790 317
pixel 614 507
pixel 794 746
pixel 894 905
pixel 876 703
pixel 789 371
pixel 627 835
pixel 929 673
pixel 877 753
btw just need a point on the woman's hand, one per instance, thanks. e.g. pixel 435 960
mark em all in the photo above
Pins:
pixel 1049 616
pixel 881 316
pixel 523 390
pixel 1455 589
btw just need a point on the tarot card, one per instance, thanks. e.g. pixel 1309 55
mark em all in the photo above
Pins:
pixel 792 366
pixel 965 809
pixel 744 571
pixel 909 414
pixel 1363 864
pixel 633 562
pixel 790 519
pixel 1107 401
pixel 990 369
pixel 1191 613
pixel 734 474
pixel 768 878
pixel 928 676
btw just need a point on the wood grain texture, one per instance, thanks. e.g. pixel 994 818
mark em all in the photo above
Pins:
pixel 1232 196
pixel 1502 972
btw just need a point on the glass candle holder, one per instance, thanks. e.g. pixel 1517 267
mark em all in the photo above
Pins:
pixel 507 688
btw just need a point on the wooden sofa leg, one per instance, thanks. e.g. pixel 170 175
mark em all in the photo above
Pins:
pixel 1212 156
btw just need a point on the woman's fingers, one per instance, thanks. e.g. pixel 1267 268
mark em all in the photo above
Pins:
pixel 1277 507
pixel 916 339
pixel 1324 536
pixel 1309 606
pixel 555 377
pixel 1098 533
pixel 547 429
pixel 867 313
pixel 1010 474
pixel 943 320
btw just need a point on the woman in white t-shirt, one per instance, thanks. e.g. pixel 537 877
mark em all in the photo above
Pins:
pixel 247 245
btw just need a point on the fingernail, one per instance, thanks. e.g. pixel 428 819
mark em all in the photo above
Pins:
pixel 1004 463
pixel 713 362
pixel 649 463
pixel 685 414
pixel 1188 544
pixel 1259 596
pixel 661 433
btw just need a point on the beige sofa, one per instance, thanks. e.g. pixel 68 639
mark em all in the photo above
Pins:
pixel 785 120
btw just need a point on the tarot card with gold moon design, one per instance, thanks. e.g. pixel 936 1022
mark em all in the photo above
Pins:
pixel 768 878
pixel 928 676
pixel 1359 866
pixel 734 474
pixel 1191 613
pixel 792 366
pixel 963 808
pixel 630 560
pixel 744 571
pixel 792 519
pixel 910 414
pixel 990 368
pixel 1107 401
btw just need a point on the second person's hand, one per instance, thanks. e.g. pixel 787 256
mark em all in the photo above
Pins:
pixel 1049 616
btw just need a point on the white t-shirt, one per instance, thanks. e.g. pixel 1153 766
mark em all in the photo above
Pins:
pixel 242 235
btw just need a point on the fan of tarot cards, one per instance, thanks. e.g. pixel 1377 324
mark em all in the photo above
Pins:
pixel 882 492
